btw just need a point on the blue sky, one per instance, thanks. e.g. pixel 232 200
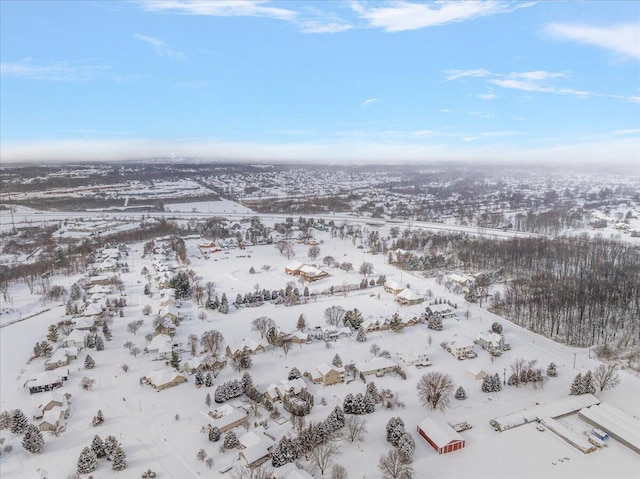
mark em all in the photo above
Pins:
pixel 335 81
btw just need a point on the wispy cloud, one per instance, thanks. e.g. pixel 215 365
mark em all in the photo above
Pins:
pixel 482 114
pixel 160 47
pixel 369 102
pixel 621 39
pixel 458 74
pixel 540 81
pixel 57 71
pixel 633 99
pixel 219 8
pixel 633 131
pixel 403 15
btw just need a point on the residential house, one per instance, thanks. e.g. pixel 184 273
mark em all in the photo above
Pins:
pixel 393 287
pixel 326 375
pixel 476 373
pixel 462 348
pixel 46 381
pixel 442 310
pixel 492 342
pixel 370 325
pixel 226 417
pixel 286 387
pixel 165 378
pixel 84 324
pixel 378 366
pixel 416 357
pixel 409 297
pixel 74 339
pixel 253 345
pixel 61 357
pixel 290 471
pixel 256 447
pixel 161 345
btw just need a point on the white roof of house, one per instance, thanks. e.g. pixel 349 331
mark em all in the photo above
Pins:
pixel 409 294
pixel 461 343
pixel 75 336
pixel 291 471
pixel 159 341
pixel 324 368
pixel 51 416
pixel 440 434
pixel 93 309
pixel 42 379
pixel 310 270
pixel 249 342
pixel 52 396
pixel 375 364
pixel 294 265
pixel 58 355
pixel 476 371
pixel 458 278
pixel 614 421
pixel 413 355
pixel 285 385
pixel 162 376
pixel 84 323
pixel 393 285
pixel 439 307
pixel 256 445
pixel 227 414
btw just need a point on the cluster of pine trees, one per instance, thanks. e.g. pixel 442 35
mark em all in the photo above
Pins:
pixel 110 449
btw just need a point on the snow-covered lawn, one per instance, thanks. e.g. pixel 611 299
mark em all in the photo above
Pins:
pixel 162 430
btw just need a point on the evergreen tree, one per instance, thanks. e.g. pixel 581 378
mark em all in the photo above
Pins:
pixel 37 350
pixel 576 385
pixel 361 337
pixel 46 349
pixel 98 418
pixel 119 459
pixel 245 358
pixel 246 381
pixel 214 434
pixel 396 323
pixel 395 430
pixel 497 384
pixel 106 331
pixel 5 420
pixel 294 373
pixel 53 334
pixel 337 361
pixel 110 446
pixel 348 404
pixel 33 440
pixel 175 360
pixel 230 440
pixel 199 380
pixel 98 446
pixel 19 422
pixel 301 325
pixel 90 340
pixel 406 446
pixel 588 383
pixel 435 323
pixel 335 420
pixel 224 305
pixel 208 380
pixel 88 461
pixel 487 384
pixel 552 370
pixel 373 391
pixel 89 363
pixel 99 343
pixel 461 394
pixel 286 451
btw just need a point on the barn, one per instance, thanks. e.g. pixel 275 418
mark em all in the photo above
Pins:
pixel 442 437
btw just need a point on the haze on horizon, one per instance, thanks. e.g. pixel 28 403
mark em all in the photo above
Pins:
pixel 352 81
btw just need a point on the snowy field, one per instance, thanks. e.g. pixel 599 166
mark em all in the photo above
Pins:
pixel 145 420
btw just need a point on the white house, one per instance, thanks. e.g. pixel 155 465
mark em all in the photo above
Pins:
pixel 226 417
pixel 74 339
pixel 378 366
pixel 416 357
pixel 462 348
pixel 256 447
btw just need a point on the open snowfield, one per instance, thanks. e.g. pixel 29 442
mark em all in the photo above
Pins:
pixel 145 420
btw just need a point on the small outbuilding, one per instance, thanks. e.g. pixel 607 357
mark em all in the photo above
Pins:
pixel 442 437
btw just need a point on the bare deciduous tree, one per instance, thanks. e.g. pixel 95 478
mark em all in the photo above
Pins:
pixel 606 376
pixel 334 315
pixel 134 326
pixel 392 467
pixel 192 340
pixel 212 341
pixel 262 325
pixel 323 455
pixel 435 390
pixel 355 427
pixel 339 472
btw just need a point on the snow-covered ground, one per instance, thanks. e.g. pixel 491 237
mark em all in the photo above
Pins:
pixel 162 430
